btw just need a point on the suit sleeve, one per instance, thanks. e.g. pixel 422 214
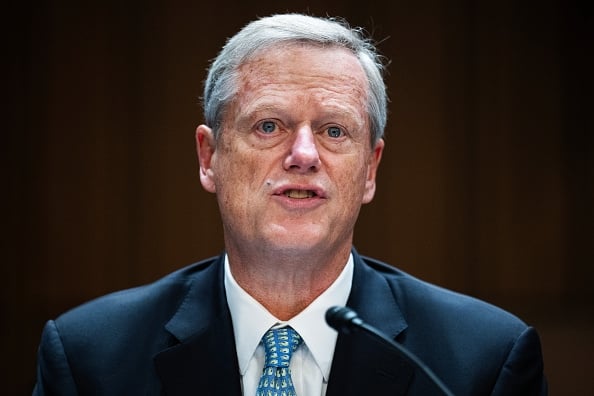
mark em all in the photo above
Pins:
pixel 522 373
pixel 54 376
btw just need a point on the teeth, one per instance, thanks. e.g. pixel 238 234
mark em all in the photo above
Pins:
pixel 299 194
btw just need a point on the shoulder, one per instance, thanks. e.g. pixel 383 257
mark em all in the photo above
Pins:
pixel 122 311
pixel 472 344
pixel 127 327
pixel 428 305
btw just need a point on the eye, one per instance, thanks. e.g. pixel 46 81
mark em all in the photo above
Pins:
pixel 334 132
pixel 268 126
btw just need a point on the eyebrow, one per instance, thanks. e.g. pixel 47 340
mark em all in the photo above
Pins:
pixel 329 112
pixel 251 114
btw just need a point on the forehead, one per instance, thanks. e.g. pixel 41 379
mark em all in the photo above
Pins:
pixel 332 75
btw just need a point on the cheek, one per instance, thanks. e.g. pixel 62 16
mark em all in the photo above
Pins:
pixel 237 172
pixel 349 180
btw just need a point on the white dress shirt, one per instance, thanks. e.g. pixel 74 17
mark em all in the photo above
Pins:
pixel 311 362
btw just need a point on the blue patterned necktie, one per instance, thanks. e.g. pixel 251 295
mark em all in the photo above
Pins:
pixel 279 345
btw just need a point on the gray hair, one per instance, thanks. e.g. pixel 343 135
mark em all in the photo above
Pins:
pixel 220 86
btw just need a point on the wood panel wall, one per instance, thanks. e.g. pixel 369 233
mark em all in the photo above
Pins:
pixel 486 186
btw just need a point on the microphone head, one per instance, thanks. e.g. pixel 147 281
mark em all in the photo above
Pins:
pixel 343 319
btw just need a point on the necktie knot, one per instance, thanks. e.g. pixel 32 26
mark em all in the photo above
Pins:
pixel 279 345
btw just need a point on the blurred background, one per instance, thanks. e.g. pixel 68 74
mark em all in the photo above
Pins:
pixel 486 185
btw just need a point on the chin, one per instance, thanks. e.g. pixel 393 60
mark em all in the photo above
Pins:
pixel 289 240
pixel 306 235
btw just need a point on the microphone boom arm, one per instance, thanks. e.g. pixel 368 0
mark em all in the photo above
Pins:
pixel 345 320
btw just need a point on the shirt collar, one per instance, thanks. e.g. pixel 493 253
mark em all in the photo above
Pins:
pixel 251 320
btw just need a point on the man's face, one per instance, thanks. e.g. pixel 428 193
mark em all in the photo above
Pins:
pixel 293 161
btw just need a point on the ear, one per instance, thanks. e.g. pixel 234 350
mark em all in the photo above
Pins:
pixel 374 160
pixel 205 148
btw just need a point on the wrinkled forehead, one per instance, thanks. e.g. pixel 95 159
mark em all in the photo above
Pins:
pixel 305 68
pixel 330 76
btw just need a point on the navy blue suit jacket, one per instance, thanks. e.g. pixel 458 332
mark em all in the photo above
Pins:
pixel 175 337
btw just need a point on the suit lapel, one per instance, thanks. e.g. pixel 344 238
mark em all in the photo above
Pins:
pixel 362 365
pixel 204 359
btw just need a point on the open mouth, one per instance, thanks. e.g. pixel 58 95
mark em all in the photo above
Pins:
pixel 299 194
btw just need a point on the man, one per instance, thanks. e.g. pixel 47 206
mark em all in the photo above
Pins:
pixel 295 109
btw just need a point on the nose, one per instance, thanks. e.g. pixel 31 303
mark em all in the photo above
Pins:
pixel 303 156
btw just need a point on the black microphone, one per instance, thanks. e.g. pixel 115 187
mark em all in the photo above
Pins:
pixel 346 321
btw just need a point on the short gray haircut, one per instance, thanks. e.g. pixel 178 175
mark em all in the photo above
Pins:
pixel 221 85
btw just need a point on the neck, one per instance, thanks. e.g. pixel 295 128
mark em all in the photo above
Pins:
pixel 285 283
